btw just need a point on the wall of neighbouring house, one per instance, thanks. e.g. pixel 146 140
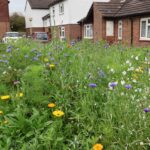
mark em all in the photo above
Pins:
pixel 4 17
pixel 97 24
pixel 72 32
pixel 131 35
pixel 33 18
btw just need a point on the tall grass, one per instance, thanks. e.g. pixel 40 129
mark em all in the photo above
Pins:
pixel 80 84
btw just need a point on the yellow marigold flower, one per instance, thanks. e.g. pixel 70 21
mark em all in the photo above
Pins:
pixel 19 95
pixel 58 113
pixel 98 147
pixel 1 112
pixel 46 60
pixel 51 105
pixel 6 97
pixel 52 66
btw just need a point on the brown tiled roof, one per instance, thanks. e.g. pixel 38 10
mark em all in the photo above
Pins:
pixel 134 7
pixel 109 8
pixel 42 4
pixel 39 4
pixel 53 2
pixel 116 8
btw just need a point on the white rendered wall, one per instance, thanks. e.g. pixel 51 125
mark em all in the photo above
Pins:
pixel 36 15
pixel 60 19
pixel 80 8
pixel 74 10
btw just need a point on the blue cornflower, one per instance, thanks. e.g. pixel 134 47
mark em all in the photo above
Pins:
pixel 35 58
pixel 92 85
pixel 128 86
pixel 8 50
pixel 146 110
pixel 6 61
pixel 49 53
pixel 52 58
pixel 101 73
pixel 113 84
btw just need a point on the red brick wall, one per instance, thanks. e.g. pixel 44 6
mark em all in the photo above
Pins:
pixel 4 17
pixel 97 24
pixel 127 32
pixel 136 33
pixel 72 32
pixel 29 31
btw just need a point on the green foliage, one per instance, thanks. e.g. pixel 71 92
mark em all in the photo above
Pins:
pixel 114 117
pixel 17 22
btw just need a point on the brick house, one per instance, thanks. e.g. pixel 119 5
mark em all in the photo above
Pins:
pixel 34 12
pixel 124 21
pixel 4 17
pixel 64 17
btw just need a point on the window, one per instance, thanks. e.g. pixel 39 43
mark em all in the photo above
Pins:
pixel 53 11
pixel 61 8
pixel 109 28
pixel 145 29
pixel 120 30
pixel 88 31
pixel 62 32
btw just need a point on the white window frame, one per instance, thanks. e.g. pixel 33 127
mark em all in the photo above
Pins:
pixel 61 8
pixel 109 28
pixel 147 25
pixel 120 31
pixel 62 32
pixel 88 31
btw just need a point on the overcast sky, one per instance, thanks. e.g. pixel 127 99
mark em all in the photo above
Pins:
pixel 17 6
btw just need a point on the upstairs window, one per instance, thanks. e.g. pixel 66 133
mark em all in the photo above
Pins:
pixel 109 28
pixel 120 30
pixel 53 11
pixel 145 29
pixel 61 8
pixel 88 31
pixel 62 32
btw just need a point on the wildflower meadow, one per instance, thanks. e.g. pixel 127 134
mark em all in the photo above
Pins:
pixel 78 96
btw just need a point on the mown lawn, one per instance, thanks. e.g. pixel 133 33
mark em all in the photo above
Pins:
pixel 81 97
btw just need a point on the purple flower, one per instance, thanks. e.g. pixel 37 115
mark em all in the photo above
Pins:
pixel 113 84
pixel 35 58
pixel 8 50
pixel 52 58
pixel 146 110
pixel 6 61
pixel 92 85
pixel 49 53
pixel 101 73
pixel 33 50
pixel 128 86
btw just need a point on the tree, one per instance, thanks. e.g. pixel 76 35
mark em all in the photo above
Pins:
pixel 17 22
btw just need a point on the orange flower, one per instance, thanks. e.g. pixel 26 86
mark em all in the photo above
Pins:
pixel 58 113
pixel 98 147
pixel 51 105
